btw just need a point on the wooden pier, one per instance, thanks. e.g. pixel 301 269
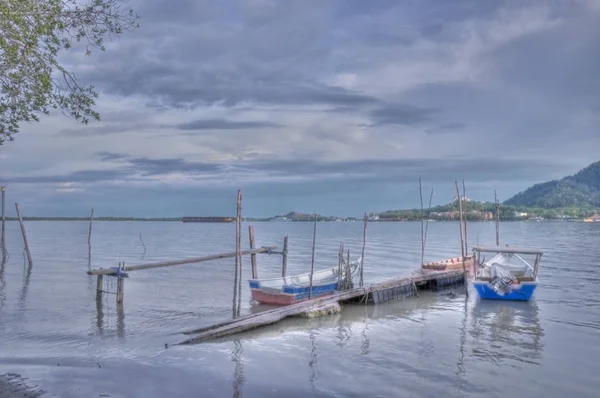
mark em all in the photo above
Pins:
pixel 394 289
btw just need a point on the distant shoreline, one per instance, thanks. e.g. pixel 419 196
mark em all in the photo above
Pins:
pixel 125 219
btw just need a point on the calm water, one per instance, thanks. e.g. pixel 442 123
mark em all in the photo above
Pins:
pixel 53 332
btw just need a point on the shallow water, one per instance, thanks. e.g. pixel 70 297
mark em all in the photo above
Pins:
pixel 53 332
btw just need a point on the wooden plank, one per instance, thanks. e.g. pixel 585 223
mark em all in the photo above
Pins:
pixel 109 271
pixel 253 321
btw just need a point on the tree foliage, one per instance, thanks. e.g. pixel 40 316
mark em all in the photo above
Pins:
pixel 579 190
pixel 32 34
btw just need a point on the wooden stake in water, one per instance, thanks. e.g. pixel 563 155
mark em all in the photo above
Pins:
pixel 312 264
pixel 90 230
pixel 462 245
pixel 422 227
pixel 465 216
pixel 497 218
pixel 427 224
pixel 24 235
pixel 284 255
pixel 238 257
pixel 3 243
pixel 362 256
pixel 253 255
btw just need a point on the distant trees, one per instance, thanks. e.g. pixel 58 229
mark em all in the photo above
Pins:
pixel 32 34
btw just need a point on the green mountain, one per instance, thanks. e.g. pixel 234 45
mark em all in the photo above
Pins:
pixel 579 190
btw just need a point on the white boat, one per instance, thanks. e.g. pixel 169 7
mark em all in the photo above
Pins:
pixel 296 288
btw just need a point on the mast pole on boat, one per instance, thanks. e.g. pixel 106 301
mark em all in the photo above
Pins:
pixel 312 265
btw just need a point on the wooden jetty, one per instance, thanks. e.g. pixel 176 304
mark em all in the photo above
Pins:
pixel 394 289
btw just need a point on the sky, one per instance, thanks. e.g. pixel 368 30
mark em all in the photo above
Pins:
pixel 334 107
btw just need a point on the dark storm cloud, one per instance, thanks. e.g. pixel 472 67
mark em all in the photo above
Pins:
pixel 224 124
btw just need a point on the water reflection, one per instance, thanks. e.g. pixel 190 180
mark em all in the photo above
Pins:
pixel 23 294
pixel 313 360
pixel 238 373
pixel 506 330
pixel 101 314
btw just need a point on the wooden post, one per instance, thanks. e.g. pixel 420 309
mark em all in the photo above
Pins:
pixel 427 224
pixel 462 245
pixel 284 255
pixel 3 243
pixel 497 219
pixel 362 257
pixel 24 235
pixel 422 227
pixel 238 256
pixel 99 288
pixel 90 230
pixel 465 217
pixel 120 283
pixel 253 255
pixel 348 280
pixel 312 264
pixel 340 262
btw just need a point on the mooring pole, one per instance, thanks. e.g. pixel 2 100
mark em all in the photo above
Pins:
pixel 99 286
pixel 237 283
pixel 24 235
pixel 120 283
pixel 312 264
pixel 497 218
pixel 465 217
pixel 362 256
pixel 284 257
pixel 422 226
pixel 90 230
pixel 253 255
pixel 3 243
pixel 462 245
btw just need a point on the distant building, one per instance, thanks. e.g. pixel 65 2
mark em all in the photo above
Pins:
pixel 596 217
pixel 374 217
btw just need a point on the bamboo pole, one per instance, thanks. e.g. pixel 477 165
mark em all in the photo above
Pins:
pixel 348 280
pixel 24 235
pixel 465 216
pixel 171 263
pixel 253 255
pixel 90 230
pixel 497 218
pixel 312 263
pixel 239 221
pixel 284 255
pixel 422 227
pixel 427 223
pixel 3 243
pixel 237 253
pixel 462 246
pixel 362 256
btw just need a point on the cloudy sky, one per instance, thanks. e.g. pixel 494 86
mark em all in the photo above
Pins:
pixel 328 106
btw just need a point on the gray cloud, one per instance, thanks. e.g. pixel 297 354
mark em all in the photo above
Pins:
pixel 401 114
pixel 109 156
pixel 224 124
pixel 437 170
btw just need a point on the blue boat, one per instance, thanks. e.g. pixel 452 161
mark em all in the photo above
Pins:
pixel 505 276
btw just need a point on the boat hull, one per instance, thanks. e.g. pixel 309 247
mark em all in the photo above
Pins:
pixel 291 295
pixel 521 292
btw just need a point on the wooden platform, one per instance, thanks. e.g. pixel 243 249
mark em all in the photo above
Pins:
pixel 394 289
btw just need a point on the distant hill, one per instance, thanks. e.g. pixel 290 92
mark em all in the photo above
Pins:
pixel 579 190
